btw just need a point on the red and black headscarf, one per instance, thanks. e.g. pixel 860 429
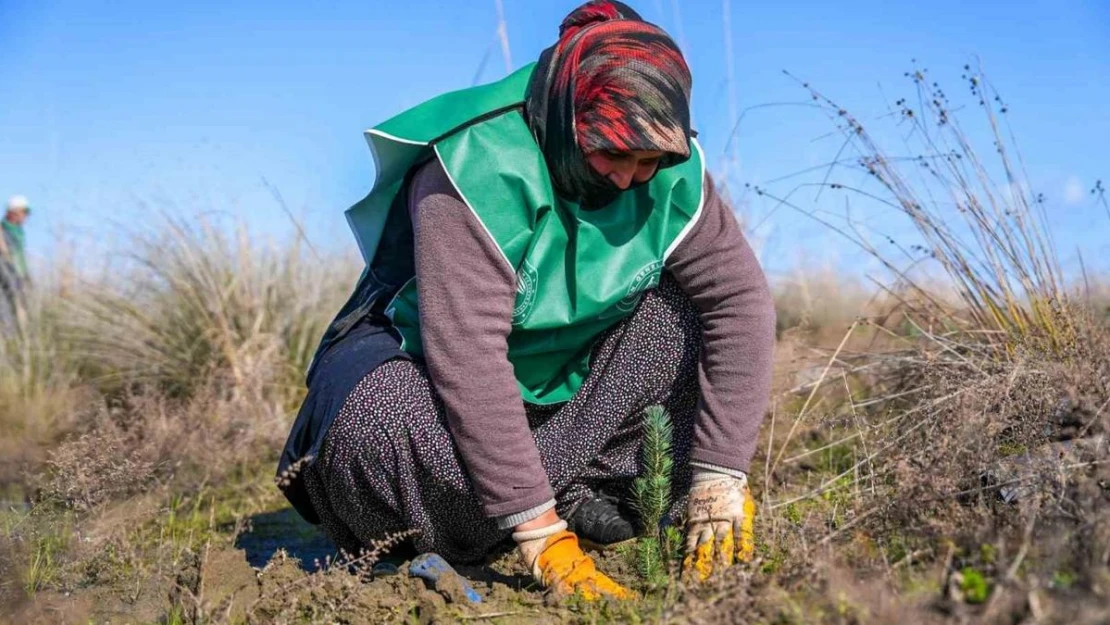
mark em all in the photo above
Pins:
pixel 611 82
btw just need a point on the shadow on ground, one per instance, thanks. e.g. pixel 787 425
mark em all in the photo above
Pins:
pixel 285 529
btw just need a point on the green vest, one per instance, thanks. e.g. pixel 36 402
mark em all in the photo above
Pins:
pixel 14 237
pixel 578 272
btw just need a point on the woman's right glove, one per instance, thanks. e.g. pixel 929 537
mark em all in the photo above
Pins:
pixel 719 524
pixel 557 562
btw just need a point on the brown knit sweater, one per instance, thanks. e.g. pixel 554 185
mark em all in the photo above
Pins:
pixel 466 301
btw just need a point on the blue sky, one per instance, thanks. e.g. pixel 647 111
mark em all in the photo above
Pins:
pixel 116 109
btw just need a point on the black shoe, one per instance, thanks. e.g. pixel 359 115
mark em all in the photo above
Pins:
pixel 598 522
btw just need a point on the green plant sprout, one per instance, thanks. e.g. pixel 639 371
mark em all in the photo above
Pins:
pixel 651 497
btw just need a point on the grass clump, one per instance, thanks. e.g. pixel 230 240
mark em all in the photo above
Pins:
pixel 46 552
pixel 198 304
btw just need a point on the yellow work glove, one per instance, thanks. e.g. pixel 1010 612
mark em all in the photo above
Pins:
pixel 719 517
pixel 558 563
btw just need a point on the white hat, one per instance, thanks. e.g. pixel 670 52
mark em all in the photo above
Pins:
pixel 18 202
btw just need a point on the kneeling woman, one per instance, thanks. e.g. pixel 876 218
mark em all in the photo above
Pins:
pixel 546 258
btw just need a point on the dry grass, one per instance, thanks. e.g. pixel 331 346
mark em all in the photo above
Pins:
pixel 40 394
pixel 971 210
pixel 960 469
pixel 994 471
pixel 153 390
pixel 815 300
pixel 195 302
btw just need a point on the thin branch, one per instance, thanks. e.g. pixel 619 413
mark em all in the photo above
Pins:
pixel 503 36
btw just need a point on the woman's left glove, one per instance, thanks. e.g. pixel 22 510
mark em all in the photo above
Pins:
pixel 719 524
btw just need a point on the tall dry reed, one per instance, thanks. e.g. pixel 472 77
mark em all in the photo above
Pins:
pixel 971 209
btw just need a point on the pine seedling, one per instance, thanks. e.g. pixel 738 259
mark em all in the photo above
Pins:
pixel 651 493
pixel 650 563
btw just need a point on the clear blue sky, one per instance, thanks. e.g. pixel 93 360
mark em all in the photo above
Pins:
pixel 116 108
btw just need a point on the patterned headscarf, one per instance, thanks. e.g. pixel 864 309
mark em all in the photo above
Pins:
pixel 611 82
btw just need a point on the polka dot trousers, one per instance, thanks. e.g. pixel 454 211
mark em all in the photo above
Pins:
pixel 389 464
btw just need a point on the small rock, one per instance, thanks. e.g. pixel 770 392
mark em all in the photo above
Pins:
pixel 430 607
pixel 384 569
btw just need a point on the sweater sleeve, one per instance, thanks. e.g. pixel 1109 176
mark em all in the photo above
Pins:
pixel 717 269
pixel 466 292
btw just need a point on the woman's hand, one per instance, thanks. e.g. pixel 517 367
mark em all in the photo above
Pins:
pixel 719 517
pixel 557 562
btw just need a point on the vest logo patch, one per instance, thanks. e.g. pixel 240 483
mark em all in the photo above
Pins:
pixel 646 278
pixel 527 281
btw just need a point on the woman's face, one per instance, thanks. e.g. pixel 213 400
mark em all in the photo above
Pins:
pixel 624 168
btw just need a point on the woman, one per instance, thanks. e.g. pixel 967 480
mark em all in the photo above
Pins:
pixel 545 259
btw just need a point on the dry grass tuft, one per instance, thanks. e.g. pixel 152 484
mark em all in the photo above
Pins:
pixel 974 216
pixel 193 303
pixel 95 468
